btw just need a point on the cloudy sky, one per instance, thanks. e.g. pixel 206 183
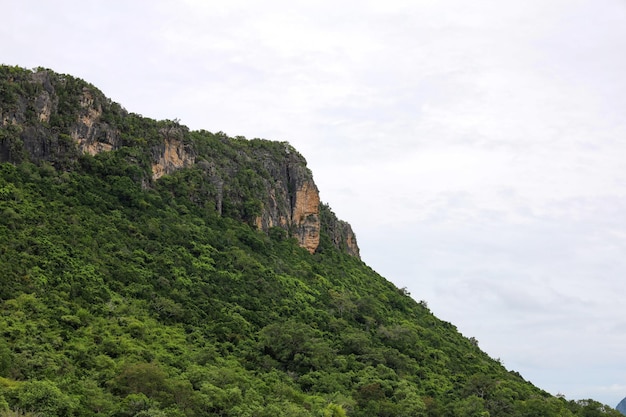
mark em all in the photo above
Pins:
pixel 477 148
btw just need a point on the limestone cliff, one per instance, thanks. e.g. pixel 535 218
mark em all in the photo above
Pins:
pixel 53 118
pixel 171 155
pixel 306 215
pixel 50 117
pixel 339 231
pixel 293 199
pixel 89 132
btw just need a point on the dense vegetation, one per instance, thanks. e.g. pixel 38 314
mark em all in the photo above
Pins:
pixel 121 299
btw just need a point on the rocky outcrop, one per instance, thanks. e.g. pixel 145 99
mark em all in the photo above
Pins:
pixel 339 231
pixel 53 117
pixel 90 133
pixel 287 196
pixel 305 216
pixel 170 156
pixel 302 214
pixel 56 118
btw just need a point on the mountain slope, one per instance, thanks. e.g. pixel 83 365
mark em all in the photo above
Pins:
pixel 147 270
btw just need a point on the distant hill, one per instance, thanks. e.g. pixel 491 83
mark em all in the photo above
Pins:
pixel 621 407
pixel 150 270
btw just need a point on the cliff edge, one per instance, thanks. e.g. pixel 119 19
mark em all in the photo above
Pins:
pixel 52 118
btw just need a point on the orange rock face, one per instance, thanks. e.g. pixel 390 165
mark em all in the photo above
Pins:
pixel 305 216
pixel 89 126
pixel 174 157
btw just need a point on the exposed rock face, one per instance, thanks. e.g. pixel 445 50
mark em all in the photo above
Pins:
pixel 305 215
pixel 52 122
pixel 350 239
pixel 290 199
pixel 89 132
pixel 56 118
pixel 172 155
pixel 340 232
pixel 299 192
pixel 44 106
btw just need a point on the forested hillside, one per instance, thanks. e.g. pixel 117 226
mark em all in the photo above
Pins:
pixel 137 282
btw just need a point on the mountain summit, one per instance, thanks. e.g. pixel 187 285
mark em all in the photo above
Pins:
pixel 47 117
pixel 150 270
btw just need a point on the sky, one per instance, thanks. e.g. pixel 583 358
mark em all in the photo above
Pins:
pixel 476 148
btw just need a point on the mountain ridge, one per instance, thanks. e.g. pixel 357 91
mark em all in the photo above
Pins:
pixel 191 289
pixel 54 132
pixel 621 407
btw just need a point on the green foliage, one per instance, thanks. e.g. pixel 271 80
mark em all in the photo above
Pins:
pixel 120 296
pixel 125 301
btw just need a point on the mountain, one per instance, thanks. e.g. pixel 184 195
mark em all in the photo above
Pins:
pixel 621 407
pixel 150 270
pixel 53 118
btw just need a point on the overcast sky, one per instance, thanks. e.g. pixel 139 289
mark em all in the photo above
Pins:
pixel 477 148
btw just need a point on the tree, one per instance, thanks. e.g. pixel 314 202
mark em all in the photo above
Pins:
pixel 44 397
